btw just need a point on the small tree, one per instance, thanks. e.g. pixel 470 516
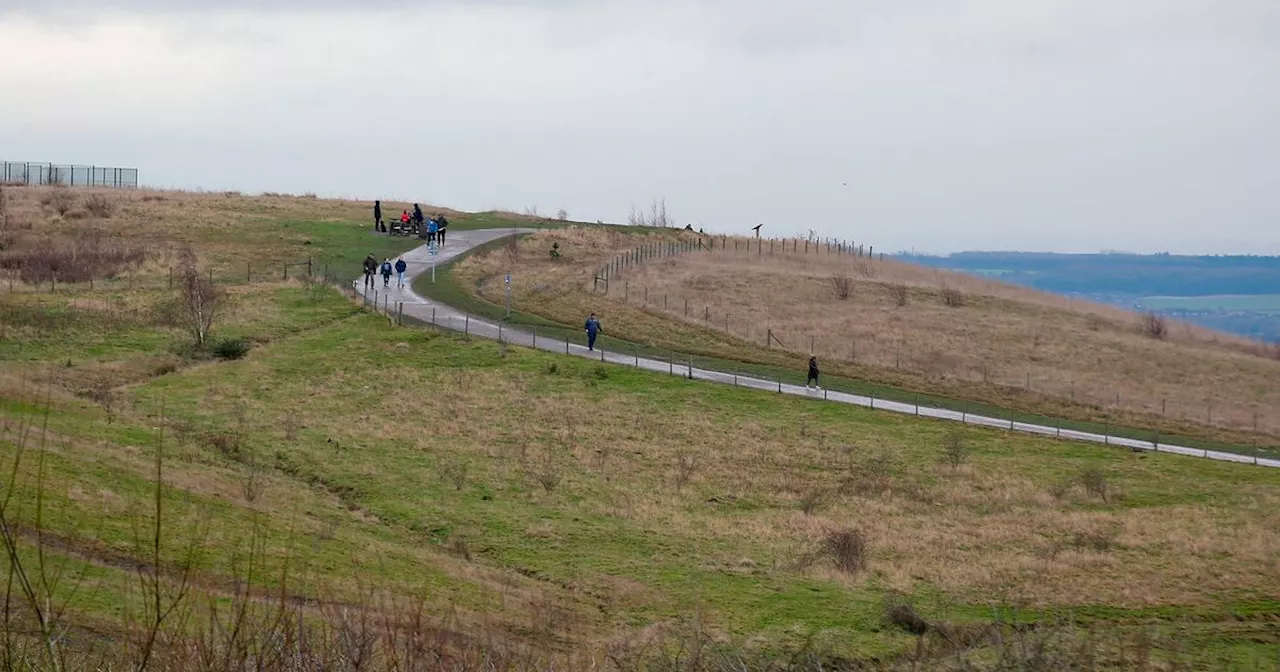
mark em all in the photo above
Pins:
pixel 62 199
pixel 199 300
pixel 562 215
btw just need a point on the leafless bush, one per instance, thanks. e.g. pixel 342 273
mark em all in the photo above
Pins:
pixel 1154 326
pixel 872 477
pixel 104 396
pixel 952 297
pixel 100 206
pixel 458 546
pixel 847 549
pixel 91 254
pixel 251 486
pixel 841 285
pixel 229 444
pixel 864 268
pixel 686 465
pixel 547 474
pixel 562 215
pixel 954 450
pixel 455 472
pixel 1095 483
pixel 811 502
pixel 1098 541
pixel 61 199
pixel 199 300
pixel 898 292
pixel 902 614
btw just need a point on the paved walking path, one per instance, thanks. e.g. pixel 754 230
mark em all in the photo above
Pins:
pixel 459 242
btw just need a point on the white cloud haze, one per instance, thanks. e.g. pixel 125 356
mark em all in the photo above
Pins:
pixel 992 124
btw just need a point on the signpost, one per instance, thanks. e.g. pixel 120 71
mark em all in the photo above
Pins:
pixel 507 284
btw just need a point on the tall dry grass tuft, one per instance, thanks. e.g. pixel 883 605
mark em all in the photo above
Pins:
pixel 842 285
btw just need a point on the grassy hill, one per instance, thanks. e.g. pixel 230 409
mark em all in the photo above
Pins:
pixel 904 326
pixel 351 495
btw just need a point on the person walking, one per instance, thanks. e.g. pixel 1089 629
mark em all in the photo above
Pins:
pixel 441 225
pixel 433 230
pixel 386 272
pixel 400 269
pixel 370 267
pixel 377 218
pixel 592 328
pixel 812 381
pixel 418 221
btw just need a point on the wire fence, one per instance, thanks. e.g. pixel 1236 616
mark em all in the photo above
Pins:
pixel 1015 383
pixel 47 174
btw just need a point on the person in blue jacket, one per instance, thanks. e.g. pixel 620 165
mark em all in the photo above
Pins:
pixel 593 329
pixel 400 269
pixel 386 272
pixel 433 227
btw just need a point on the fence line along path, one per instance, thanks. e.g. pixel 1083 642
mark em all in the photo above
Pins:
pixel 404 301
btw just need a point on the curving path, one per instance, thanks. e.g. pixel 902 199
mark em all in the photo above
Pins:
pixel 459 242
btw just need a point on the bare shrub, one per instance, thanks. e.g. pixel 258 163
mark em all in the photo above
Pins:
pixel 199 300
pixel 842 285
pixel 846 548
pixel 547 474
pixel 872 477
pixel 105 397
pixel 100 206
pixel 1060 489
pixel 455 472
pixel 686 465
pixel 1154 326
pixel 864 268
pixel 458 546
pixel 251 487
pixel 562 215
pixel 902 614
pixel 811 502
pixel 228 444
pixel 91 254
pixel 1095 483
pixel 898 292
pixel 1097 541
pixel 61 199
pixel 952 297
pixel 954 450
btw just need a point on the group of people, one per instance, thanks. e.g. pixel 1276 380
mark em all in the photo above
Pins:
pixel 433 229
pixel 372 267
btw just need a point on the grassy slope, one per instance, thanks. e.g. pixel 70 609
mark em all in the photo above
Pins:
pixel 560 292
pixel 438 488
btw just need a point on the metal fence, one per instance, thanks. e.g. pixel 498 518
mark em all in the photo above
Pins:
pixel 38 174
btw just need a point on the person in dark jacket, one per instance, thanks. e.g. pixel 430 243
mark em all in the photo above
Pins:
pixel 441 225
pixel 400 269
pixel 377 218
pixel 386 272
pixel 370 267
pixel 418 221
pixel 592 328
pixel 812 381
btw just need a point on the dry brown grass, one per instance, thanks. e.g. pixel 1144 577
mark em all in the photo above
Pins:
pixel 920 327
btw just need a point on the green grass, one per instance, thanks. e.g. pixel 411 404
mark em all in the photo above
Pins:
pixel 448 289
pixel 410 405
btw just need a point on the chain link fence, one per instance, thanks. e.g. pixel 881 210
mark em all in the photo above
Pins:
pixel 31 174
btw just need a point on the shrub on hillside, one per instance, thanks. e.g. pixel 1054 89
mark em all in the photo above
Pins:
pixel 1153 326
pixel 231 348
pixel 898 292
pixel 842 285
pixel 952 297
pixel 99 206
pixel 847 549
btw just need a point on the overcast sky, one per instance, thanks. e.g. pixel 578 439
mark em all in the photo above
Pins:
pixel 938 125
